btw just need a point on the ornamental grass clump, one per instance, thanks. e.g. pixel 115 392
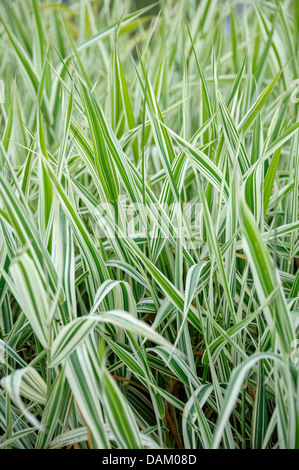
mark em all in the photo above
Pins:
pixel 149 170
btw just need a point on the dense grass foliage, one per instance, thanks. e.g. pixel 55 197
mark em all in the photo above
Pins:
pixel 149 169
